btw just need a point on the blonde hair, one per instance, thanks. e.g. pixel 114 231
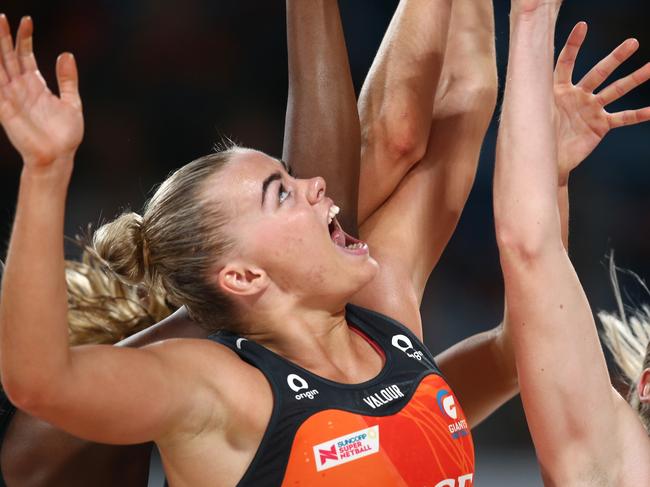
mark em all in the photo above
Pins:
pixel 104 310
pixel 627 337
pixel 176 244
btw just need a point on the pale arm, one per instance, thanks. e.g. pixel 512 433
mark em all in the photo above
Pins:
pixel 421 213
pixel 84 390
pixel 562 372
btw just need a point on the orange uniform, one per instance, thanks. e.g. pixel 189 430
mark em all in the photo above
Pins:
pixel 403 428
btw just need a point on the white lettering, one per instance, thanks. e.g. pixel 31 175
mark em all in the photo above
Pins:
pixel 463 481
pixel 384 396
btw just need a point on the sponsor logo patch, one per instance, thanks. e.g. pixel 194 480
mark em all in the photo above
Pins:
pixel 447 406
pixel 347 448
pixel 404 343
pixel 297 384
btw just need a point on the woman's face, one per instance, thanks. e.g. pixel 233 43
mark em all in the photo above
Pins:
pixel 283 228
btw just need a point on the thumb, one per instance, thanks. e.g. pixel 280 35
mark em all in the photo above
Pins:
pixel 68 79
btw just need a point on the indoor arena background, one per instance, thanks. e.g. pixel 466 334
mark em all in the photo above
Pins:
pixel 162 81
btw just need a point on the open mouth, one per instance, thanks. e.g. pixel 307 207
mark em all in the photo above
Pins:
pixel 342 239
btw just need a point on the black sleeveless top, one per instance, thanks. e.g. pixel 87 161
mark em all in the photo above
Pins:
pixel 402 428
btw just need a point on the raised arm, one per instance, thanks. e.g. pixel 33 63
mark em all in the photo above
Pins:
pixel 396 100
pixel 581 123
pixel 40 373
pixel 420 213
pixel 322 135
pixel 579 426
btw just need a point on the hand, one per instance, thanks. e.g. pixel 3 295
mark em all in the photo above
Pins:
pixel 43 127
pixel 582 120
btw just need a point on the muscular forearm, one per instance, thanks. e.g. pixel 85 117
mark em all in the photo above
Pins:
pixel 526 175
pixel 322 134
pixel 396 101
pixel 33 307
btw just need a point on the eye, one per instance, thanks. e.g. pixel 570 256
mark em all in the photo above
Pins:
pixel 283 193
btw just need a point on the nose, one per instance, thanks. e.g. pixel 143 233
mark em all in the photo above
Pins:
pixel 315 190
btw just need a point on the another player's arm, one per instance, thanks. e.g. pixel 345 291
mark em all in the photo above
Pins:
pixel 83 390
pixel 576 422
pixel 322 135
pixel 421 213
pixel 581 123
pixel 396 101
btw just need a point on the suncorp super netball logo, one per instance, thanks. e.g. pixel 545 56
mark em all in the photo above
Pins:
pixel 447 405
pixel 347 448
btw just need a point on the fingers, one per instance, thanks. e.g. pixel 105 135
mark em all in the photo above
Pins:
pixel 599 73
pixel 567 59
pixel 68 79
pixel 624 85
pixel 629 117
pixel 24 45
pixel 9 58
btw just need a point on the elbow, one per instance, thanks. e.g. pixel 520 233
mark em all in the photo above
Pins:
pixel 27 394
pixel 520 243
pixel 401 140
pixel 474 97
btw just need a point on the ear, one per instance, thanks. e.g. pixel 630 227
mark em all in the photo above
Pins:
pixel 242 280
pixel 644 387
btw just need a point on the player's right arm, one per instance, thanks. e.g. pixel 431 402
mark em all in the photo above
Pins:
pixel 86 390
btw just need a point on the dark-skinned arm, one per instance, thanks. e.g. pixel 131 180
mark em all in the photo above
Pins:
pixel 322 135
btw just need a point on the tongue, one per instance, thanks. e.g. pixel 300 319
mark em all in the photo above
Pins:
pixel 338 237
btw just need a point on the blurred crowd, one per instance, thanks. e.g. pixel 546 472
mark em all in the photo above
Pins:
pixel 164 81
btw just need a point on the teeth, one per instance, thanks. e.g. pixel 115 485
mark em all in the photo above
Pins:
pixel 334 210
pixel 359 245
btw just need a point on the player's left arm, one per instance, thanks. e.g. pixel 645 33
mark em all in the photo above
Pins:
pixel 481 368
pixel 579 426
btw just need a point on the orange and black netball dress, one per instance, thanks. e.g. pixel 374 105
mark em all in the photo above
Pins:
pixel 404 428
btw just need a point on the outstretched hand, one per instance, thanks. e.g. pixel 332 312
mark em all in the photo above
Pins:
pixel 582 120
pixel 43 127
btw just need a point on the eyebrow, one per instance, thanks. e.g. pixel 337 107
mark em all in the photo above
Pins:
pixel 287 167
pixel 265 185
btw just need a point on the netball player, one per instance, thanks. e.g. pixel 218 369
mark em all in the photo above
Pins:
pixel 35 453
pixel 584 432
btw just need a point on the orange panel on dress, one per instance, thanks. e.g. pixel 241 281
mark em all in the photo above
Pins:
pixel 426 444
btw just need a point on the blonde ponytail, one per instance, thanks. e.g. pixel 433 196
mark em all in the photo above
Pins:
pixel 103 308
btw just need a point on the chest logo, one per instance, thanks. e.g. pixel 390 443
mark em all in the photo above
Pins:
pixel 383 397
pixel 447 405
pixel 297 384
pixel 346 448
pixel 404 343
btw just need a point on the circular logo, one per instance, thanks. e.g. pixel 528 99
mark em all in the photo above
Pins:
pixel 402 342
pixel 297 383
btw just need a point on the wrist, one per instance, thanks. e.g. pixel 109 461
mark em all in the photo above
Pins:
pixel 535 8
pixel 57 171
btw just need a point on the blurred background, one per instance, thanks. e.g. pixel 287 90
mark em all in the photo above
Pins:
pixel 163 81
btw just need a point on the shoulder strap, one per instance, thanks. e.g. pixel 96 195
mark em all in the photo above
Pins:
pixel 390 334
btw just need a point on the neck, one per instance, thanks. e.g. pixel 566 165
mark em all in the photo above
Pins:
pixel 315 339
